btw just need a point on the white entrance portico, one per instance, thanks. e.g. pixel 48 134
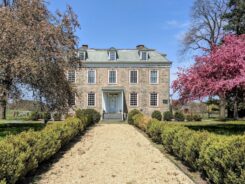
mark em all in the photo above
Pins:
pixel 112 103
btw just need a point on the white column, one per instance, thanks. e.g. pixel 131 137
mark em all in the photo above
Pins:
pixel 122 105
pixel 103 105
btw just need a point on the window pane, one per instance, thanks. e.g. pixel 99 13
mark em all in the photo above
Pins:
pixel 133 77
pixel 91 77
pixel 72 100
pixel 91 99
pixel 112 55
pixel 82 55
pixel 153 99
pixel 154 76
pixel 71 76
pixel 112 77
pixel 144 56
pixel 133 99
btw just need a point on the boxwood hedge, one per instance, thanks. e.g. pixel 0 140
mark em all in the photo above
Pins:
pixel 220 158
pixel 22 153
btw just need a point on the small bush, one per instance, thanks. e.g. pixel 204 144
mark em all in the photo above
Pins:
pixel 57 116
pixel 92 115
pixel 141 121
pixel 167 116
pixel 154 130
pixel 157 115
pixel 179 116
pixel 35 116
pixel 46 116
pixel 131 114
pixel 189 117
pixel 197 117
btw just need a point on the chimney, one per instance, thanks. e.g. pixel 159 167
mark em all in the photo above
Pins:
pixel 85 46
pixel 141 46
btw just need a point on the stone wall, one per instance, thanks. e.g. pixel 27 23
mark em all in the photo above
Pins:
pixel 143 88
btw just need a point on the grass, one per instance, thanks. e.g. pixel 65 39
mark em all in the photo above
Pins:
pixel 16 128
pixel 222 128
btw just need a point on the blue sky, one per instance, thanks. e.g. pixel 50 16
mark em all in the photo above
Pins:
pixel 159 24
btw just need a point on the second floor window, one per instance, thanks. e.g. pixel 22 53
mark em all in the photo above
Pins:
pixel 71 76
pixel 91 77
pixel 134 77
pixel 153 76
pixel 91 99
pixel 112 77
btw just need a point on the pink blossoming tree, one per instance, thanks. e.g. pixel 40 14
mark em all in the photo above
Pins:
pixel 216 74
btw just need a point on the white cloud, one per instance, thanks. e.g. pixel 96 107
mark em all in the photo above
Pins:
pixel 172 24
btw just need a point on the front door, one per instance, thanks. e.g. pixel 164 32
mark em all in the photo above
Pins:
pixel 112 103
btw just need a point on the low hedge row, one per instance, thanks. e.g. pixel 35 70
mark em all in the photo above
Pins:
pixel 220 158
pixel 22 153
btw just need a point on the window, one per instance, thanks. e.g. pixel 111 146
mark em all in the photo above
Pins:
pixel 133 99
pixel 144 56
pixel 91 77
pixel 82 55
pixel 71 76
pixel 134 77
pixel 112 77
pixel 153 76
pixel 91 99
pixel 112 55
pixel 154 99
pixel 72 99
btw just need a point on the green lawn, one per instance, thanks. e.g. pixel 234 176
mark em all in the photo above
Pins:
pixel 221 128
pixel 7 128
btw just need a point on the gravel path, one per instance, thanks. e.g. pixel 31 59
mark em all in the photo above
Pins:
pixel 113 154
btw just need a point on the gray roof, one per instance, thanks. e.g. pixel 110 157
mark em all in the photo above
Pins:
pixel 124 55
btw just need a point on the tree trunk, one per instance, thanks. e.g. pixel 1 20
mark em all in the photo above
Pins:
pixel 222 105
pixel 3 108
pixel 235 111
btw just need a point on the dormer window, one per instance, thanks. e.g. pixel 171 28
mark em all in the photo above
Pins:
pixel 144 55
pixel 82 55
pixel 112 55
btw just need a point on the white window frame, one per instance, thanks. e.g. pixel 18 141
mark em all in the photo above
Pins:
pixel 94 76
pixel 75 74
pixel 94 99
pixel 110 55
pixel 157 76
pixel 137 99
pixel 137 76
pixel 141 55
pixel 157 99
pixel 109 76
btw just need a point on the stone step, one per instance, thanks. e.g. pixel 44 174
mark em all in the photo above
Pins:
pixel 112 116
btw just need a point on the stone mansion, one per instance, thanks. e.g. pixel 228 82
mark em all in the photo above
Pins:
pixel 115 81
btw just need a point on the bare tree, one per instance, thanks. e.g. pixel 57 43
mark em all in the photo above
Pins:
pixel 206 28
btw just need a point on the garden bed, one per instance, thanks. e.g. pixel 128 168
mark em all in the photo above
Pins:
pixel 216 151
pixel 22 153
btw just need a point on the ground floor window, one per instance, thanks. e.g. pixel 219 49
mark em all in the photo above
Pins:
pixel 72 99
pixel 133 99
pixel 91 99
pixel 154 99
